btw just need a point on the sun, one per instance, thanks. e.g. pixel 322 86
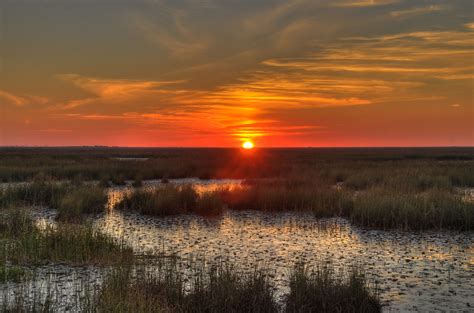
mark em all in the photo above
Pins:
pixel 247 145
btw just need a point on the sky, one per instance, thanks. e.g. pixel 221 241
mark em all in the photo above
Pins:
pixel 215 73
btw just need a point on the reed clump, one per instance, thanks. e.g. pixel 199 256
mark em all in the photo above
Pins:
pixel 33 194
pixel 215 289
pixel 79 201
pixel 173 200
pixel 322 201
pixel 21 242
pixel 321 289
pixel 432 209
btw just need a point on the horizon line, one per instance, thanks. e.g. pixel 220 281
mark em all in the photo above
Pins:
pixel 230 147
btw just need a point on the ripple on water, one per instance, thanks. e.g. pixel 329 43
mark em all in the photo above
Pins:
pixel 413 270
pixel 429 271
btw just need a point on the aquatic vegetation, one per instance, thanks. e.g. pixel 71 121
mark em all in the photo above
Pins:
pixel 321 289
pixel 14 223
pixel 79 201
pixel 217 288
pixel 138 182
pixel 21 242
pixel 209 204
pixel 322 201
pixel 118 180
pixel 331 165
pixel 173 200
pixel 12 273
pixel 35 193
pixel 72 244
pixel 163 201
pixel 432 209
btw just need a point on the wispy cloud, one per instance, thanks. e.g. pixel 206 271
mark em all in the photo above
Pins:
pixel 9 98
pixel 175 37
pixel 363 3
pixel 417 11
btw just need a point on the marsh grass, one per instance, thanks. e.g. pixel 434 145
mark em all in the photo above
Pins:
pixel 138 181
pixel 14 223
pixel 118 180
pixel 322 201
pixel 173 200
pixel 432 209
pixel 68 243
pixel 216 288
pixel 33 194
pixel 24 244
pixel 321 289
pixel 79 201
pixel 221 287
pixel 12 273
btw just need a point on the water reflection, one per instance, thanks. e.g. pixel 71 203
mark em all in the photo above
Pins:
pixel 413 270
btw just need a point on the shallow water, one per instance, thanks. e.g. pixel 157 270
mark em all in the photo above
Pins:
pixel 415 271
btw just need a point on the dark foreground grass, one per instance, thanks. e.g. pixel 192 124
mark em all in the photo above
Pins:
pixel 12 273
pixel 323 290
pixel 215 289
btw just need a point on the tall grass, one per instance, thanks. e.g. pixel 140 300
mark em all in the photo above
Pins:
pixel 22 243
pixel 79 201
pixel 321 289
pixel 71 244
pixel 172 200
pixel 432 209
pixel 36 193
pixel 222 288
pixel 321 201
pixel 23 164
pixel 215 289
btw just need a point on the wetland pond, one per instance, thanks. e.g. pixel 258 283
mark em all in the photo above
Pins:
pixel 414 271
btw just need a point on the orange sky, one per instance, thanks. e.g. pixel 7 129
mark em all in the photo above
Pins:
pixel 217 73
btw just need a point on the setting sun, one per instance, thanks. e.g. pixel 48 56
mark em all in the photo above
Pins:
pixel 248 145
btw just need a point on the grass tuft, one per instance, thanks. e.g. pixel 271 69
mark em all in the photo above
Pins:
pixel 81 200
pixel 323 290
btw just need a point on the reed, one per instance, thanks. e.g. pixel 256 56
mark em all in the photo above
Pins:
pixel 21 242
pixel 173 200
pixel 433 209
pixel 79 201
pixel 216 288
pixel 322 289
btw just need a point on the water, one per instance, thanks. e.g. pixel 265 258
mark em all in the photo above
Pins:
pixel 428 271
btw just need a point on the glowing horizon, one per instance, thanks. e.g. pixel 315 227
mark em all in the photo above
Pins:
pixel 208 73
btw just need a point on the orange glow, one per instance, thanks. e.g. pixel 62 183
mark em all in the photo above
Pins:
pixel 248 145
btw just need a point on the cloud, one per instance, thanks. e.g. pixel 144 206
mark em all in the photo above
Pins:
pixel 117 90
pixel 21 100
pixel 363 3
pixel 10 98
pixel 175 36
pixel 416 11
